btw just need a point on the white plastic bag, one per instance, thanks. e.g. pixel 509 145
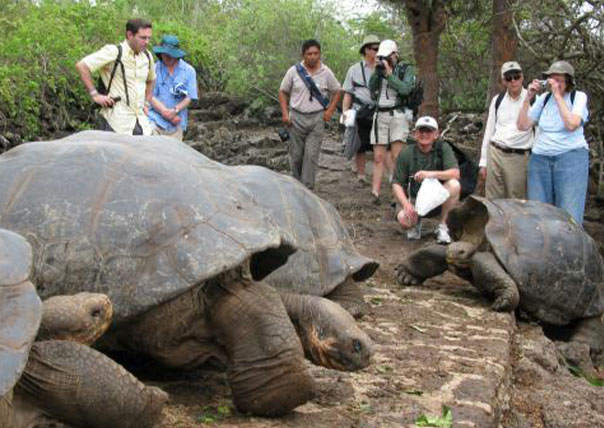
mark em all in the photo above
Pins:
pixel 348 118
pixel 430 195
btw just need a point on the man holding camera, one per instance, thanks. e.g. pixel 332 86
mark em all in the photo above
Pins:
pixel 505 148
pixel 391 83
pixel 308 96
pixel 126 104
pixel 174 89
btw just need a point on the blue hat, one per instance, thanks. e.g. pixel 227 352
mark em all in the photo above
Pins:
pixel 169 46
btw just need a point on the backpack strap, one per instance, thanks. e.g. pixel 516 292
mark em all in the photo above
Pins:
pixel 118 60
pixel 363 73
pixel 498 102
pixel 311 85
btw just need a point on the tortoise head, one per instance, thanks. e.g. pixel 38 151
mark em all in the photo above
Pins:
pixel 329 334
pixel 459 253
pixel 81 318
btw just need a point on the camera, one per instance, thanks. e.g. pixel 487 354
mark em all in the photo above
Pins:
pixel 543 83
pixel 283 134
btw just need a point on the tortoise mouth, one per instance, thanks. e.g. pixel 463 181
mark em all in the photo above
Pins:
pixel 351 354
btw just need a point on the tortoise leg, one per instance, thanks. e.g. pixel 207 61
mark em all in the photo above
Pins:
pixel 591 332
pixel 267 372
pixel 422 264
pixel 490 277
pixel 329 334
pixel 82 387
pixel 350 296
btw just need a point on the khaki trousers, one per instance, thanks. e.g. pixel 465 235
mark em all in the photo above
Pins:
pixel 506 174
pixel 305 145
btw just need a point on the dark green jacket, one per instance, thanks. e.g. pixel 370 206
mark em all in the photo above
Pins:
pixel 399 83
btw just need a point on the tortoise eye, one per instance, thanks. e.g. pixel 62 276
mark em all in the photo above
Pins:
pixel 95 313
pixel 356 345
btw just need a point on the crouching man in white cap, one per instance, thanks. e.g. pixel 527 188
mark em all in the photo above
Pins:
pixel 428 158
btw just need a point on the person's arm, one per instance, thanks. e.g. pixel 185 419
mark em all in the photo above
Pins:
pixel 486 139
pixel 375 80
pixel 148 95
pixel 448 174
pixel 524 122
pixel 571 120
pixel 347 101
pixel 335 98
pixel 283 102
pixel 86 78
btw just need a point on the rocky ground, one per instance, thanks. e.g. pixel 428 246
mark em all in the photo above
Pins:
pixel 437 345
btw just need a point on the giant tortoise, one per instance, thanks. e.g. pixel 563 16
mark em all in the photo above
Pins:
pixel 526 255
pixel 58 376
pixel 180 245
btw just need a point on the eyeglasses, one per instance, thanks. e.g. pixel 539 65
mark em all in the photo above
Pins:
pixel 424 129
pixel 373 48
pixel 515 76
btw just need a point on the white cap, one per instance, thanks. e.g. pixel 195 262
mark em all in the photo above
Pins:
pixel 426 122
pixel 510 66
pixel 387 47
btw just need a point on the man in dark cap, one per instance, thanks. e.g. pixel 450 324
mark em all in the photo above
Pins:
pixel 175 87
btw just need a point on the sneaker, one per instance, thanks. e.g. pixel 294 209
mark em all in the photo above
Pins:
pixel 415 232
pixel 362 179
pixel 442 235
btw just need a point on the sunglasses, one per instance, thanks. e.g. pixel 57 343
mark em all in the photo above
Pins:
pixel 515 76
pixel 424 129
pixel 373 48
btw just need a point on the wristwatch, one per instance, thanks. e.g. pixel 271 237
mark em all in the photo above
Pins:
pixel 176 110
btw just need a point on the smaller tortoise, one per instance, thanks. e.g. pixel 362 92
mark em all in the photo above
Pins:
pixel 58 376
pixel 526 255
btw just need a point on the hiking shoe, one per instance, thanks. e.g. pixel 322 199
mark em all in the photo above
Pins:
pixel 415 232
pixel 375 198
pixel 362 179
pixel 442 235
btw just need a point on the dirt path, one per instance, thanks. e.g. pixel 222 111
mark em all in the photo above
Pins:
pixel 436 345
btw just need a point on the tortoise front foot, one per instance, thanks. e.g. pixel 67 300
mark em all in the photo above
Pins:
pixel 506 303
pixel 404 277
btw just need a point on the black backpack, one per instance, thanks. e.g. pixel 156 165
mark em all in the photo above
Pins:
pixel 416 97
pixel 468 170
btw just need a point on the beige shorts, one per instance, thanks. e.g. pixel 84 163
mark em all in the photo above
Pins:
pixel 390 126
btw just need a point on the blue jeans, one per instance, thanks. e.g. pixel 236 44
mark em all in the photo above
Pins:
pixel 560 180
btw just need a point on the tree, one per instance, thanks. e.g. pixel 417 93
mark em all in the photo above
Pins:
pixel 504 43
pixel 427 19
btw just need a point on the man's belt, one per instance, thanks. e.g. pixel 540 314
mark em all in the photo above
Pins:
pixel 382 109
pixel 510 150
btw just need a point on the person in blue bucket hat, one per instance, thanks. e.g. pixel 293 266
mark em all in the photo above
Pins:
pixel 175 88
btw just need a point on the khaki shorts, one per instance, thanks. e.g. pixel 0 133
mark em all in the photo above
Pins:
pixel 390 126
pixel 177 133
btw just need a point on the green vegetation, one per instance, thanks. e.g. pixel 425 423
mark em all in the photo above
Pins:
pixel 245 46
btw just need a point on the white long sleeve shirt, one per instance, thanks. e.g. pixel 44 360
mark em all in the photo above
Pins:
pixel 502 129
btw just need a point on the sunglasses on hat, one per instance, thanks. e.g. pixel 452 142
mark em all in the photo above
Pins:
pixel 510 77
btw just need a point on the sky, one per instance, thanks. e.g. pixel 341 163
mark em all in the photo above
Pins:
pixel 351 8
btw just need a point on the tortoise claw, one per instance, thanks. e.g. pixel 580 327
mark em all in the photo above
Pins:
pixel 403 277
pixel 503 304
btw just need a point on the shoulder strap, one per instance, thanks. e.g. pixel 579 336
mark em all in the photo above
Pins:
pixel 438 145
pixel 118 60
pixel 311 85
pixel 363 73
pixel 498 101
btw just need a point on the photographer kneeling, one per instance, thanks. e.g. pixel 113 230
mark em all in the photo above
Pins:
pixel 426 159
pixel 390 85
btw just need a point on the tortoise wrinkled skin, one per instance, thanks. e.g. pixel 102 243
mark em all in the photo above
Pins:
pixel 168 234
pixel 57 376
